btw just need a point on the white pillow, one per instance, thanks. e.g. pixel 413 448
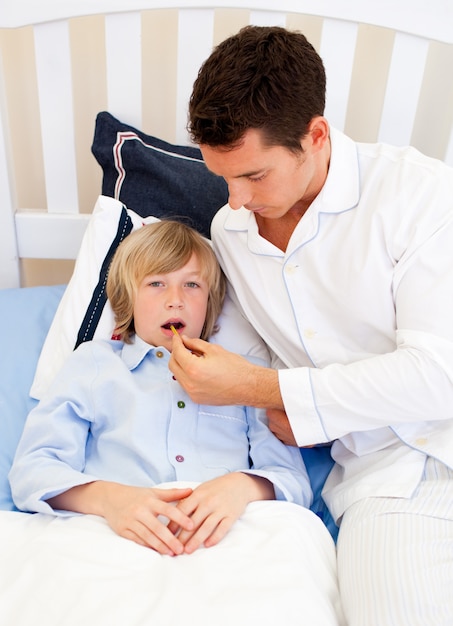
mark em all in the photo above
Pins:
pixel 83 312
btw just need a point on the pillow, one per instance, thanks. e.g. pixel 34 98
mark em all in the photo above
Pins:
pixel 82 313
pixel 153 177
pixel 25 315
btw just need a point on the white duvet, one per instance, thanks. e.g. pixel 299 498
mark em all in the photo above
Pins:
pixel 275 567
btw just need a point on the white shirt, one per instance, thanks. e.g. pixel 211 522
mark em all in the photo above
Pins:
pixel 359 309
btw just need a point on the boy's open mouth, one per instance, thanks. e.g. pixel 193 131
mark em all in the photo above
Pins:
pixel 176 325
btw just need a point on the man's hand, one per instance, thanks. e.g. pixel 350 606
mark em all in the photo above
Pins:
pixel 212 375
pixel 279 425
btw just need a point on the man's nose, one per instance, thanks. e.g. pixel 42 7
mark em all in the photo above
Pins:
pixel 238 195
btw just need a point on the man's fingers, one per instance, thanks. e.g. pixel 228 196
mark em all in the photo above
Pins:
pixel 193 346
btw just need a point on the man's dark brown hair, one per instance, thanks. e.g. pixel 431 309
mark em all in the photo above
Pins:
pixel 266 78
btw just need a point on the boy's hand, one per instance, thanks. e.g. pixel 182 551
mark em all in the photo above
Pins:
pixel 215 505
pixel 132 512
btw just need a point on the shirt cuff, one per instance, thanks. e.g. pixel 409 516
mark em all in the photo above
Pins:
pixel 300 407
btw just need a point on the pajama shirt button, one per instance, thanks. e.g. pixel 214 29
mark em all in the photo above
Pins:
pixel 181 404
pixel 179 458
pixel 159 354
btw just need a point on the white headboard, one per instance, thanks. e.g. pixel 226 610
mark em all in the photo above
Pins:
pixel 389 66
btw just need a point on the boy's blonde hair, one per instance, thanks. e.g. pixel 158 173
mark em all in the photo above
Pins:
pixel 160 248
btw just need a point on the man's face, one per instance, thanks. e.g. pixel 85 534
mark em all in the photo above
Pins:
pixel 268 180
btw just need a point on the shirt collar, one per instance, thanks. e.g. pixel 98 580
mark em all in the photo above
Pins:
pixel 134 353
pixel 341 191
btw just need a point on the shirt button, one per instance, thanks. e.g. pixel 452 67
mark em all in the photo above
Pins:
pixel 309 333
pixel 421 441
pixel 181 404
pixel 159 354
pixel 179 458
pixel 290 269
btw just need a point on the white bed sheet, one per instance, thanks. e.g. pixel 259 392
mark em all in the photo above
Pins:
pixel 75 571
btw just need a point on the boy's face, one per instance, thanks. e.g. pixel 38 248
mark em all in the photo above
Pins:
pixel 179 298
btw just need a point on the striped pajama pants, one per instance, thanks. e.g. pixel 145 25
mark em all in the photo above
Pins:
pixel 395 556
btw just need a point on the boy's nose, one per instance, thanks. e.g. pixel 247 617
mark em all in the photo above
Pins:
pixel 175 300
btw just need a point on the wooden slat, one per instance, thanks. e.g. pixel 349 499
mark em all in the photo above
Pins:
pixel 434 119
pixel 53 66
pixel 449 153
pixel 50 236
pixel 338 42
pixel 159 51
pixel 196 28
pixel 366 97
pixel 90 96
pixel 124 66
pixel 268 18
pixel 9 268
pixel 403 89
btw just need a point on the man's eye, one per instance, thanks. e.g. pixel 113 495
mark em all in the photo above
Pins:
pixel 256 179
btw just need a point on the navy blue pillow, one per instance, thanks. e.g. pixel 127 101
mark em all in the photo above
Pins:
pixel 153 177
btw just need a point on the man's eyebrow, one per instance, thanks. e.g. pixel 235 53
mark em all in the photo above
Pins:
pixel 249 174
pixel 245 174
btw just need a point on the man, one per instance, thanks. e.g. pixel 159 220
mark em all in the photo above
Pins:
pixel 339 255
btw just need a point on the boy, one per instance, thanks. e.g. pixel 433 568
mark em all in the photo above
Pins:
pixel 116 423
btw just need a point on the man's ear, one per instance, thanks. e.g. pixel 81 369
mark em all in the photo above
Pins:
pixel 319 132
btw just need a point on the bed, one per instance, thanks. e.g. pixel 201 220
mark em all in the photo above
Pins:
pixel 93 142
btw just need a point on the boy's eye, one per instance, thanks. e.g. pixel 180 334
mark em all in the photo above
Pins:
pixel 155 283
pixel 192 285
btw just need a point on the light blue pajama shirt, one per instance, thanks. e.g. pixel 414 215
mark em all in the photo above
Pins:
pixel 116 413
